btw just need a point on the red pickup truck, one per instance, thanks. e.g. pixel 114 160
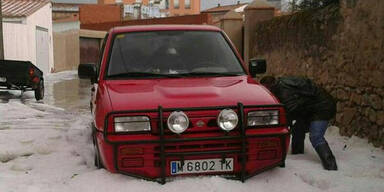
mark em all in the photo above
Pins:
pixel 171 100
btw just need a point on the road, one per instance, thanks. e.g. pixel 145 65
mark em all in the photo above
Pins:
pixel 46 146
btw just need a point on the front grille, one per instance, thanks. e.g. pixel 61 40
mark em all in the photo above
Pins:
pixel 200 141
pixel 199 147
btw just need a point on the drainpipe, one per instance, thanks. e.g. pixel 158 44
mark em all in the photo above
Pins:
pixel 1 33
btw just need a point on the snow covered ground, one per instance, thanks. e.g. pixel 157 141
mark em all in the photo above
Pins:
pixel 45 146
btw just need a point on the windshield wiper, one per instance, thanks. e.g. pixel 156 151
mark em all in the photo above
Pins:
pixel 213 74
pixel 143 74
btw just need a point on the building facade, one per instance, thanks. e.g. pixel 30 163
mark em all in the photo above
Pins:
pixel 219 11
pixel 27 31
pixel 180 7
pixel 156 8
pixel 65 17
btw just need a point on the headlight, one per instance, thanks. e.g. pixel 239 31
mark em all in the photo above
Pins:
pixel 178 122
pixel 132 124
pixel 227 119
pixel 270 117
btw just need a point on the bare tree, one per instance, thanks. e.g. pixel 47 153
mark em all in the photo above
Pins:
pixel 290 6
pixel 316 4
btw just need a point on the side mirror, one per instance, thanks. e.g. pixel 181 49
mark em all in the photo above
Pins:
pixel 257 66
pixel 87 71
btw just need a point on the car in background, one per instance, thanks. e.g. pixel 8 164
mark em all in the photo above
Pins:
pixel 21 75
pixel 177 100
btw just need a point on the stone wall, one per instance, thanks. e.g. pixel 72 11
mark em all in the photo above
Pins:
pixel 342 49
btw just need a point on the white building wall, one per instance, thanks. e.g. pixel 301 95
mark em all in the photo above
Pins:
pixel 20 38
pixel 16 41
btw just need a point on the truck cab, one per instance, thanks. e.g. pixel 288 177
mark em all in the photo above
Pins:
pixel 177 100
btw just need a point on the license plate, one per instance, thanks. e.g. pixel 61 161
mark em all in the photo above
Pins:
pixel 202 166
pixel 3 79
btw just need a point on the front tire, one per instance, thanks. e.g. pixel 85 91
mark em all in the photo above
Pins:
pixel 97 160
pixel 39 91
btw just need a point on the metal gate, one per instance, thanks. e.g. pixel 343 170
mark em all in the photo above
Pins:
pixel 42 49
pixel 89 50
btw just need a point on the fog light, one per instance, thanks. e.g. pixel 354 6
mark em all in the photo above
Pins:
pixel 178 122
pixel 227 119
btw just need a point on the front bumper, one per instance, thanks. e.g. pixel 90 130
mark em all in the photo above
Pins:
pixel 253 151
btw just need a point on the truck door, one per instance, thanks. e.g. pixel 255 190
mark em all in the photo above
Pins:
pixel 94 88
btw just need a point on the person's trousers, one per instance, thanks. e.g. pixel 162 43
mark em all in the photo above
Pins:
pixel 298 136
pixel 316 131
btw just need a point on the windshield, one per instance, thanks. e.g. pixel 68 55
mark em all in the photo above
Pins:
pixel 172 54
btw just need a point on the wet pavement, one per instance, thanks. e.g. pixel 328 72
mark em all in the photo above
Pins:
pixel 45 142
pixel 71 94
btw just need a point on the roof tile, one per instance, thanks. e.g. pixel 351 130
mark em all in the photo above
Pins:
pixel 21 8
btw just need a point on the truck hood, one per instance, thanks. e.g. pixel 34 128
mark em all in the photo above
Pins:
pixel 190 92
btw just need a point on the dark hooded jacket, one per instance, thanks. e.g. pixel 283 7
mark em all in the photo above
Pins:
pixel 303 99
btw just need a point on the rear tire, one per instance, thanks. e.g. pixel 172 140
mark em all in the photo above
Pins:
pixel 39 91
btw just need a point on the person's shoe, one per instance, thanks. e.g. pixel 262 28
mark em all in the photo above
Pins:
pixel 326 156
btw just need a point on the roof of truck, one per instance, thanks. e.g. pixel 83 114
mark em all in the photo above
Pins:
pixel 138 28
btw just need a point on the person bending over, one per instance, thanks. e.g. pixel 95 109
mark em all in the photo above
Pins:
pixel 311 108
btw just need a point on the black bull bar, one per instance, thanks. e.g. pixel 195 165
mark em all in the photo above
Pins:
pixel 162 141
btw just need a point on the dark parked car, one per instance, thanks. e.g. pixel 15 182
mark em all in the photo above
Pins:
pixel 21 75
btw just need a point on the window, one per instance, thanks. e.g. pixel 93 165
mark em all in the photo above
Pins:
pixel 166 4
pixel 167 53
pixel 101 54
pixel 176 4
pixel 187 4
